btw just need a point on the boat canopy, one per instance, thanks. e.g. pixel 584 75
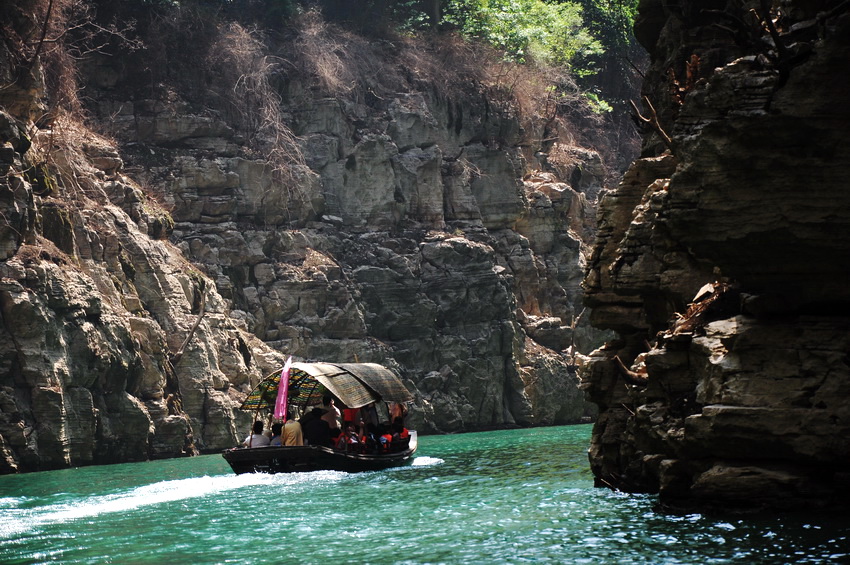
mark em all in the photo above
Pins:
pixel 379 379
pixel 355 384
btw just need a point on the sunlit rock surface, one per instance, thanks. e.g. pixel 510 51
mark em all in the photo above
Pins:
pixel 149 281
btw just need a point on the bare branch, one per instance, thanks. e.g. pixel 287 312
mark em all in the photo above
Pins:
pixel 630 376
pixel 44 27
pixel 781 50
pixel 652 121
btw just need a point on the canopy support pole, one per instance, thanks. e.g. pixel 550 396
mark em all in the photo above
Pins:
pixel 251 433
pixel 312 390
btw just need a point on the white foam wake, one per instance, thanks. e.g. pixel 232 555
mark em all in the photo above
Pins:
pixel 15 521
pixel 426 461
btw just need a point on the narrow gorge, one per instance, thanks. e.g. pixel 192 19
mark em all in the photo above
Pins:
pixel 190 195
pixel 247 196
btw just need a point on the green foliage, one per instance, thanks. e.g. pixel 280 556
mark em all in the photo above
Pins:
pixel 610 21
pixel 545 31
pixel 597 104
pixel 612 72
pixel 410 16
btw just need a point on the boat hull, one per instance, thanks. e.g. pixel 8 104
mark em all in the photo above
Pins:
pixel 294 459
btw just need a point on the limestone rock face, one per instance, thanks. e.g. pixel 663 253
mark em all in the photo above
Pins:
pixel 94 310
pixel 147 287
pixel 424 248
pixel 722 269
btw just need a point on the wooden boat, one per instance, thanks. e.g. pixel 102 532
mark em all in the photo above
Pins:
pixel 355 385
pixel 290 459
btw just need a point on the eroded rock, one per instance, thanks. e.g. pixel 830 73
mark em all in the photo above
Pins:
pixel 718 267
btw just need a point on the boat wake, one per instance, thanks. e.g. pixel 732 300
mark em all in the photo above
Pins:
pixel 426 461
pixel 17 516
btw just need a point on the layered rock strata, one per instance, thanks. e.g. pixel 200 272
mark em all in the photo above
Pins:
pixel 147 285
pixel 721 265
pixel 422 246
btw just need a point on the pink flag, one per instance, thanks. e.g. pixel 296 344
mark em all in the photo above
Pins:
pixel 282 391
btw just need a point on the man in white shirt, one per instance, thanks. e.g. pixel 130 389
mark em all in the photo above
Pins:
pixel 256 438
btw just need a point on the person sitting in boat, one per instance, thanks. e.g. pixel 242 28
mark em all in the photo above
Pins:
pixel 292 431
pixel 348 439
pixel 309 415
pixel 276 440
pixel 399 431
pixel 256 438
pixel 369 414
pixel 386 438
pixel 316 430
pixel 401 436
pixel 335 435
pixel 369 439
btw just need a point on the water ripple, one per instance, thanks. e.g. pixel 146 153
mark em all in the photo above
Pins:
pixel 523 496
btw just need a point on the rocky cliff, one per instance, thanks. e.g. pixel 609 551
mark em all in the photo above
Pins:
pixel 721 263
pixel 238 209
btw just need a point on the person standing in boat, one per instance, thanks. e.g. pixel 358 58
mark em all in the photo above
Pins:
pixel 332 414
pixel 397 410
pixel 256 438
pixel 369 414
pixel 292 432
pixel 349 416
pixel 316 430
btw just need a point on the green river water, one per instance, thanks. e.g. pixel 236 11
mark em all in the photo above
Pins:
pixel 518 496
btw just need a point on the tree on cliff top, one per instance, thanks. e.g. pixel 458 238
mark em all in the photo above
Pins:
pixel 552 33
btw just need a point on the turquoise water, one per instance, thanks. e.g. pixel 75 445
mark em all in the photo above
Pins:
pixel 519 496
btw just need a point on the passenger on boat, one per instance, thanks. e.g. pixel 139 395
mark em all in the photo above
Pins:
pixel 348 439
pixel 369 414
pixel 399 431
pixel 276 440
pixel 311 415
pixel 386 438
pixel 256 438
pixel 369 439
pixel 397 410
pixel 316 430
pixel 401 436
pixel 332 413
pixel 292 432
pixel 349 416
pixel 335 435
